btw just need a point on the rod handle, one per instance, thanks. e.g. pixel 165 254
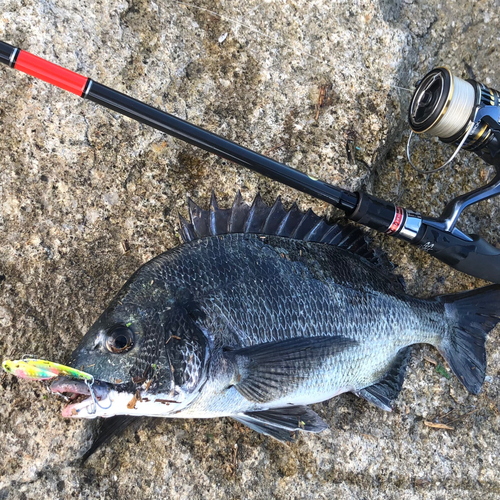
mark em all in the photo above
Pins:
pixel 477 257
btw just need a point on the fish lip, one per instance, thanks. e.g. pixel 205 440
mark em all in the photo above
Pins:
pixel 78 388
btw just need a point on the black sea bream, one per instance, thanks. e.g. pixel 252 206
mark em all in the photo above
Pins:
pixel 261 312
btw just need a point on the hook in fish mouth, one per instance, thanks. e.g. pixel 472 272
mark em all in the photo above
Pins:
pixel 76 390
pixel 95 398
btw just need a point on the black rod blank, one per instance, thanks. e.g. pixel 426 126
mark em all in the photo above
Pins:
pixel 224 148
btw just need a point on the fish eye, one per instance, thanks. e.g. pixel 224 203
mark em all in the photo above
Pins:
pixel 120 339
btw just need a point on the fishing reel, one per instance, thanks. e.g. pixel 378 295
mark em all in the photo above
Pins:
pixel 467 114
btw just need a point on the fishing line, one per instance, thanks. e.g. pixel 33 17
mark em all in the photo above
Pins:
pixel 278 40
pixel 28 356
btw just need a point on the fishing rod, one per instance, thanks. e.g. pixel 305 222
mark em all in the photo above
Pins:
pixel 465 113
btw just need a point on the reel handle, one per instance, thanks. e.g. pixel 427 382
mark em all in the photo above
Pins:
pixel 475 257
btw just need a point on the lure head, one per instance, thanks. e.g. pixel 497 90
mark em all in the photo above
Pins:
pixel 146 346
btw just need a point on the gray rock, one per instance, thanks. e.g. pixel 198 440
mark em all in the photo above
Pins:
pixel 77 180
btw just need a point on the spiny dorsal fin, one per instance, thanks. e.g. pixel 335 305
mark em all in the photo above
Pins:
pixel 218 217
pixel 239 215
pixel 199 220
pixel 259 218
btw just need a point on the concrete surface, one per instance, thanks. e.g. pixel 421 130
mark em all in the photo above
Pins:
pixel 76 180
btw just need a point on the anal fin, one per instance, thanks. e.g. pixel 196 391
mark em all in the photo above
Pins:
pixel 282 423
pixel 384 392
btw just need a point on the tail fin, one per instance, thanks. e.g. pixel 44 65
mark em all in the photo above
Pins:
pixel 472 314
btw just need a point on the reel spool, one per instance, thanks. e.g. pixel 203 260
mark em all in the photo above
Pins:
pixel 448 107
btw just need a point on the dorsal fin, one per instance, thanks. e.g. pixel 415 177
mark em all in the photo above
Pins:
pixel 259 218
pixel 239 215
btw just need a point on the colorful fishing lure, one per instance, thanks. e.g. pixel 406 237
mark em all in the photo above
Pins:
pixel 40 369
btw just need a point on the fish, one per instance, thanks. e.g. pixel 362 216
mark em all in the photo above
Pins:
pixel 261 312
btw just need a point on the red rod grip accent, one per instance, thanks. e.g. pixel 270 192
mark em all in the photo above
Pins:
pixel 51 73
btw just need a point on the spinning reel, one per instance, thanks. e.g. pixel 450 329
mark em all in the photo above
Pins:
pixel 467 114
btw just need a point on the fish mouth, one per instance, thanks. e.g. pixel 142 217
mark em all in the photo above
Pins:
pixel 79 394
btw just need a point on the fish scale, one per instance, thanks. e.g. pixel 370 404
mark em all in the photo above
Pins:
pixel 381 323
pixel 295 302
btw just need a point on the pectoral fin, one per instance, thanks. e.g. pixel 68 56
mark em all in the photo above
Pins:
pixel 383 393
pixel 269 371
pixel 281 423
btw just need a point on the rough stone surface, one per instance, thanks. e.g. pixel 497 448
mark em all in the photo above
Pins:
pixel 76 180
